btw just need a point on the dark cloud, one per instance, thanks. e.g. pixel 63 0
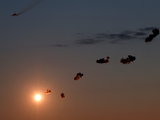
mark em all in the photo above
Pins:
pixel 120 36
pixel 88 41
pixel 147 29
pixel 129 59
pixel 140 34
pixel 102 60
pixel 79 33
pixel 124 35
pixel 114 38
pixel 102 35
pixel 78 76
pixel 59 45
pixel 127 32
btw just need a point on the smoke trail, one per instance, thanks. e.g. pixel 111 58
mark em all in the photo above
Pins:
pixel 30 7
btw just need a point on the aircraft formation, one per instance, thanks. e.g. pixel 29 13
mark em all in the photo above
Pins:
pixel 127 60
pixel 79 75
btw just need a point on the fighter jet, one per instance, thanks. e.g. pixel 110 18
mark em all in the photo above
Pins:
pixel 15 14
pixel 62 95
pixel 102 60
pixel 48 91
pixel 78 76
pixel 129 59
pixel 151 36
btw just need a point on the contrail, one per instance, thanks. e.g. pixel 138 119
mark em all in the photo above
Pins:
pixel 30 7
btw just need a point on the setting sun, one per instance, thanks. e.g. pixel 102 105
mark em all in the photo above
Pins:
pixel 37 97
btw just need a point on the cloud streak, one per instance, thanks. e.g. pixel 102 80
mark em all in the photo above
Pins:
pixel 59 45
pixel 147 28
pixel 88 41
pixel 126 35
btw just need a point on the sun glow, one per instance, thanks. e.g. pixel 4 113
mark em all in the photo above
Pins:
pixel 37 97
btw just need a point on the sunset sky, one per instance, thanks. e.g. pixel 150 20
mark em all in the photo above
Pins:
pixel 46 46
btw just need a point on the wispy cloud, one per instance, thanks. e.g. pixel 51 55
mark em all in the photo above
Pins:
pixel 140 34
pixel 125 35
pixel 59 45
pixel 148 29
pixel 115 36
pixel 88 41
